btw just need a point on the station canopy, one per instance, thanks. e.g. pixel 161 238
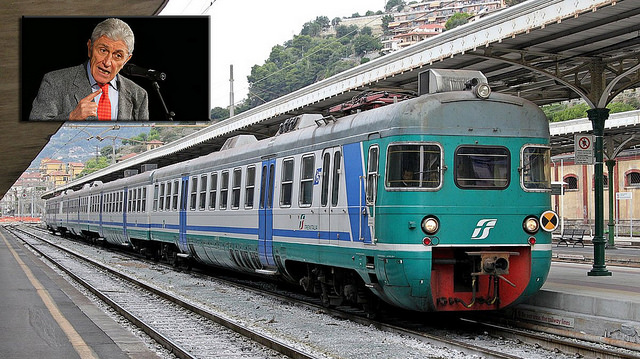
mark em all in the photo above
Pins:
pixel 546 51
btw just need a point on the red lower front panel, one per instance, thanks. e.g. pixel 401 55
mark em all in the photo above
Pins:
pixel 465 279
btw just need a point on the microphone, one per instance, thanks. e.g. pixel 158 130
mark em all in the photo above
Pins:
pixel 135 70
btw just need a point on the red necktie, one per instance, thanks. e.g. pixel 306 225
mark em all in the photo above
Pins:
pixel 104 105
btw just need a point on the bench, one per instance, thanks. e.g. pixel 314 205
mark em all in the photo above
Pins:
pixel 573 236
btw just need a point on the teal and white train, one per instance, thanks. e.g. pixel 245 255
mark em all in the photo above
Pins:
pixel 437 203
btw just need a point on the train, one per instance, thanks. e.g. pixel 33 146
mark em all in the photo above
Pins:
pixel 440 202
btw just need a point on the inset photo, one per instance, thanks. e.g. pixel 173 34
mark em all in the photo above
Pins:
pixel 153 68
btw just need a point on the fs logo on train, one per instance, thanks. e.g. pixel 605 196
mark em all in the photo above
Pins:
pixel 483 227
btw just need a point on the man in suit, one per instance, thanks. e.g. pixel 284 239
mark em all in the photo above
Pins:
pixel 94 90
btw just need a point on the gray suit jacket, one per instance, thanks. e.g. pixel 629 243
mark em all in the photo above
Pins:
pixel 61 90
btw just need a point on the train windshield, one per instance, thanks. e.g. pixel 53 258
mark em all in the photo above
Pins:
pixel 482 167
pixel 413 166
pixel 536 168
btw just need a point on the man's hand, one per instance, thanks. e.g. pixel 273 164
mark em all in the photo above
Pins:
pixel 85 108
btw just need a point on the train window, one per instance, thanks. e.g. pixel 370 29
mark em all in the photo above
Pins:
pixel 212 190
pixel 250 187
pixel 144 199
pixel 161 199
pixel 140 201
pixel 155 197
pixel 235 190
pixel 272 178
pixel 335 189
pixel 326 163
pixel 129 201
pixel 286 189
pixel 372 174
pixel 306 180
pixel 175 195
pixel 482 167
pixel 167 195
pixel 414 166
pixel 224 189
pixel 194 192
pixel 536 168
pixel 263 185
pixel 203 192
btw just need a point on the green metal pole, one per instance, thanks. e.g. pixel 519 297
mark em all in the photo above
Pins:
pixel 598 116
pixel 610 243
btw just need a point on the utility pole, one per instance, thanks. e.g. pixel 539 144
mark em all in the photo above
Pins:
pixel 231 112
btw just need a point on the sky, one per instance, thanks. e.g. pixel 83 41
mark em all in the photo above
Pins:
pixel 244 31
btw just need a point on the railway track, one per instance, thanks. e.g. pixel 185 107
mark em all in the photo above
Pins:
pixel 184 329
pixel 443 339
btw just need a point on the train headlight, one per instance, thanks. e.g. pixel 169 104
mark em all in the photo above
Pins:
pixel 430 225
pixel 483 91
pixel 531 225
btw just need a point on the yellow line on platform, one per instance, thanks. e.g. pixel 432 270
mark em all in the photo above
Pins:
pixel 76 340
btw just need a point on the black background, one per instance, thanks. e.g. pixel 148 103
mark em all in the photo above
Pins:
pixel 177 46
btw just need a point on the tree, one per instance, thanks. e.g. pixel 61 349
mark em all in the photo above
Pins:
pixel 106 151
pixel 95 164
pixel 615 107
pixel 323 21
pixel 456 20
pixel 311 29
pixel 219 113
pixel 346 33
pixel 366 31
pixel 365 43
pixel 392 4
pixel 335 21
pixel 385 23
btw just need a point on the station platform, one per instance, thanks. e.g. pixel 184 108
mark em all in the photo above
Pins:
pixel 604 308
pixel 44 316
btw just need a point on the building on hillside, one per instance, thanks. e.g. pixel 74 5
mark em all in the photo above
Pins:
pixel 420 33
pixel 153 144
pixel 126 157
pixel 438 12
pixel 48 165
pixel 58 178
pixel 74 168
pixel 412 24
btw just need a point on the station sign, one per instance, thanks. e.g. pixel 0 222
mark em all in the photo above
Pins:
pixel 583 149
pixel 624 195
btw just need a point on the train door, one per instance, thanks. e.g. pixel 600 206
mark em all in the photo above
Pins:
pixel 265 213
pixel 329 221
pixel 182 227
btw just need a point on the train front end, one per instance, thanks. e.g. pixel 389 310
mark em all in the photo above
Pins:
pixel 463 201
